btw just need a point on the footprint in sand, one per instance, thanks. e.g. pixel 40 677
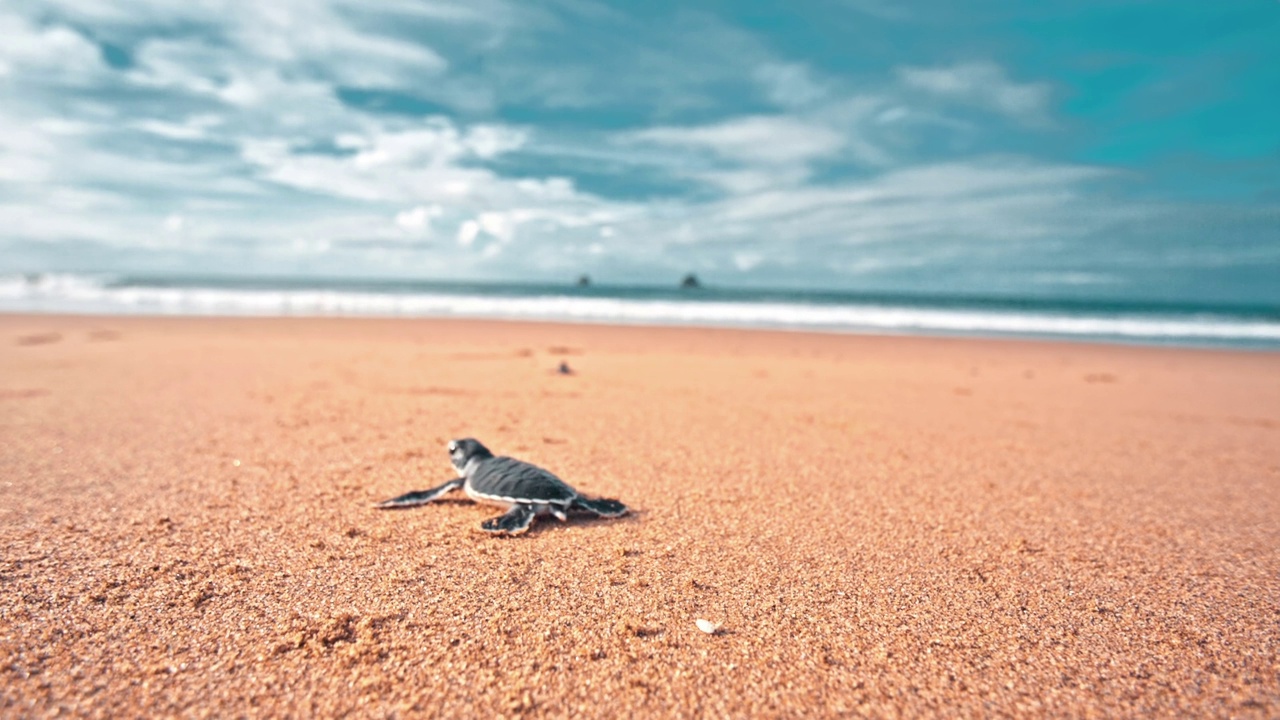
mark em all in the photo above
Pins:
pixel 23 394
pixel 39 339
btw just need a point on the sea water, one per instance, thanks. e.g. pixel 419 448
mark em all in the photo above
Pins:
pixel 1246 326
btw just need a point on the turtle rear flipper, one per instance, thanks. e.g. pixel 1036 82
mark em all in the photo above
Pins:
pixel 604 507
pixel 515 521
pixel 420 497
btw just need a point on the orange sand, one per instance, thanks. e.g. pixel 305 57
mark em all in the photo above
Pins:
pixel 891 526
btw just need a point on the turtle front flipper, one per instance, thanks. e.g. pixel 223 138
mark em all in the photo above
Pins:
pixel 420 497
pixel 515 521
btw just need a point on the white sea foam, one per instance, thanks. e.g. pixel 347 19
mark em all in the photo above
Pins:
pixel 83 294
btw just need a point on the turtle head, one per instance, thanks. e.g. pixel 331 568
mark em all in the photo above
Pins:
pixel 464 451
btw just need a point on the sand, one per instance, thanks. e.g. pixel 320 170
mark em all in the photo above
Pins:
pixel 883 526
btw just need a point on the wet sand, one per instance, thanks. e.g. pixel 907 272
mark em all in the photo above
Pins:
pixel 885 526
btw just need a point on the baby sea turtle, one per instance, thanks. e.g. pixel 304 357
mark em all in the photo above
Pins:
pixel 527 491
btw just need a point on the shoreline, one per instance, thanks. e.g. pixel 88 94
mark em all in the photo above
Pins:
pixel 1249 346
pixel 916 525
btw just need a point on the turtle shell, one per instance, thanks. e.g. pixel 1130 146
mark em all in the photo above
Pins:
pixel 509 480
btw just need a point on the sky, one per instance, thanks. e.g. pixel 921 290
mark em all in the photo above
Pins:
pixel 1065 148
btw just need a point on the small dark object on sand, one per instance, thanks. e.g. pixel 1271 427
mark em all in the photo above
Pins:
pixel 564 368
pixel 525 490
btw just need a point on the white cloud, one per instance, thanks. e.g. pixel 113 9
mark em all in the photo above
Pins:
pixel 418 220
pixel 467 233
pixel 932 214
pixel 49 53
pixel 436 142
pixel 746 261
pixel 25 151
pixel 195 127
pixel 309 39
pixel 790 84
pixel 500 225
pixel 750 154
pixel 302 34
pixel 429 163
pixel 984 84
pixel 665 65
pixel 490 141
pixel 762 139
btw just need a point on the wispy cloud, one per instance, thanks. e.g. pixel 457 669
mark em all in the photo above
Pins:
pixel 768 140
pixel 982 84
pixel 790 84
pixel 512 138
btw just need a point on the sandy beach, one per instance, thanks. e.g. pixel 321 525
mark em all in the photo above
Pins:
pixel 881 526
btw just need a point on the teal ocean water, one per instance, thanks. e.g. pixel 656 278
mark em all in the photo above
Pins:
pixel 1128 321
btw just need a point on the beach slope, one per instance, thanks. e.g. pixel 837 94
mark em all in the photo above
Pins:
pixel 889 526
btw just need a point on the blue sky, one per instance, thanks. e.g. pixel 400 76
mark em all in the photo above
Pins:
pixel 1118 148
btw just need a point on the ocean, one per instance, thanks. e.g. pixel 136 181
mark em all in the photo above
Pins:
pixel 1186 324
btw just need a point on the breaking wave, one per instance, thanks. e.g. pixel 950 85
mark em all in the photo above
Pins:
pixel 87 294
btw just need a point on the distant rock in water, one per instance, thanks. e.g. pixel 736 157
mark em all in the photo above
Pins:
pixel 690 282
pixel 584 281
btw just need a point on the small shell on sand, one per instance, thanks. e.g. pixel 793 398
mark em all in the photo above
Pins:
pixel 707 626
